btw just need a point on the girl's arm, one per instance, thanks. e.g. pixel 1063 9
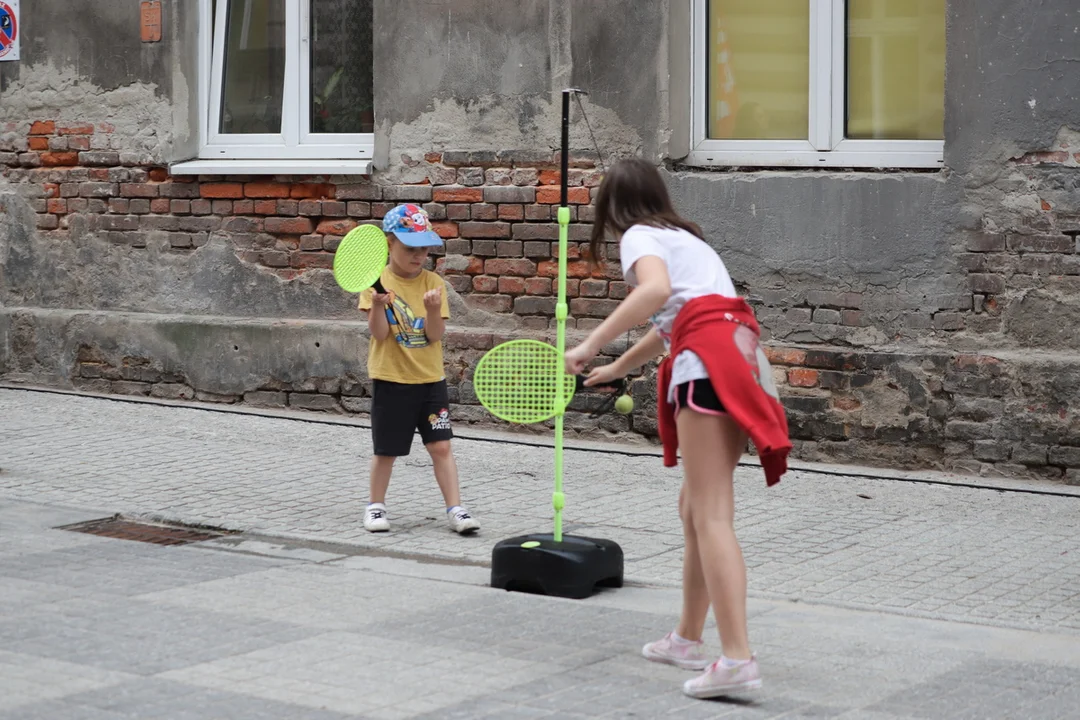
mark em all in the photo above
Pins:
pixel 653 290
pixel 644 350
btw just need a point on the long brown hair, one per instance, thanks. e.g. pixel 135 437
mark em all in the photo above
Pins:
pixel 633 193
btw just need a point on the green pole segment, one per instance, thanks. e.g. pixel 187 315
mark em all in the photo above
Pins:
pixel 558 500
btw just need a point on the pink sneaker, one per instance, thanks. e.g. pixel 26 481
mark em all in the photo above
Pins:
pixel 719 680
pixel 686 655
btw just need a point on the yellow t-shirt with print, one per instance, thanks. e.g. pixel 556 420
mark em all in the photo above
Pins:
pixel 406 355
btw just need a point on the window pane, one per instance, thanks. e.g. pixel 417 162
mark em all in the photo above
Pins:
pixel 253 85
pixel 896 69
pixel 759 69
pixel 341 58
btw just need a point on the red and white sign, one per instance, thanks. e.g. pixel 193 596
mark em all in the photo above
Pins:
pixel 9 30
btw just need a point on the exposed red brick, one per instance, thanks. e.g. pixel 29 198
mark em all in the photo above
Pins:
pixel 288 226
pixel 99 174
pixel 446 230
pixel 43 127
pixel 579 196
pixel 574 269
pixel 106 127
pixel 312 260
pixel 231 191
pixel 83 129
pixel 1043 158
pixel 138 190
pixel 433 157
pixel 1045 205
pixel 265 207
pixel 57 206
pixel 159 174
pixel 485 284
pixel 846 403
pixel 335 227
pixel 301 191
pixel 38 143
pixel 51 189
pixel 512 212
pixel 550 177
pixel 492 303
pixel 512 285
pixel 510 266
pixel 538 286
pixel 802 377
pixel 484 230
pixel 785 356
pixel 548 195
pixel 457 195
pixel 55 159
pixel 266 190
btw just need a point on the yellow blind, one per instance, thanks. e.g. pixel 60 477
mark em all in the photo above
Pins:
pixel 759 69
pixel 896 69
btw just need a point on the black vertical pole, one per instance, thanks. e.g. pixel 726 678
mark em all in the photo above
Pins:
pixel 564 189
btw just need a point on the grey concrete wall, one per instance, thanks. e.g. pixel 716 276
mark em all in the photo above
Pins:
pixel 484 74
pixel 85 62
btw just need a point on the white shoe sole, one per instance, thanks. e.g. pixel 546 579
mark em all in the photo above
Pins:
pixel 666 660
pixel 466 530
pixel 707 693
pixel 382 527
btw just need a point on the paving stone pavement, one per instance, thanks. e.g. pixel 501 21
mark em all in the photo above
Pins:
pixel 993 557
pixel 236 628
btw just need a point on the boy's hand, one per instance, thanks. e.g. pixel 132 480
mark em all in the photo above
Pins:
pixel 381 299
pixel 433 300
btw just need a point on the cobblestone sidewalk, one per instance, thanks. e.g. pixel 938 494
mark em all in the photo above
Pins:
pixel 238 629
pixel 980 555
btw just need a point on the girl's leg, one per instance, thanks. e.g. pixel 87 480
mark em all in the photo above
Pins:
pixel 711 448
pixel 695 594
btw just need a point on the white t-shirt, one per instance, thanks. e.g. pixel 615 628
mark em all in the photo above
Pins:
pixel 694 269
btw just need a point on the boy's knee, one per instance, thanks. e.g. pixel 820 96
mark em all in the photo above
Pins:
pixel 439 450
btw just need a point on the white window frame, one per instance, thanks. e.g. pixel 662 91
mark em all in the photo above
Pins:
pixel 296 148
pixel 826 145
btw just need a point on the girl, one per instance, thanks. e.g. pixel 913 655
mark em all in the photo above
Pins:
pixel 715 388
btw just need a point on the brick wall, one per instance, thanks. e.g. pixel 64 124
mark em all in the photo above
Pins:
pixel 941 402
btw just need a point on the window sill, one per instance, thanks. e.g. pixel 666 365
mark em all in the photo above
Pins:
pixel 272 167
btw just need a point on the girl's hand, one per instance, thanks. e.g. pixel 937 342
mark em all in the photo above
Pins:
pixel 578 358
pixel 433 300
pixel 604 375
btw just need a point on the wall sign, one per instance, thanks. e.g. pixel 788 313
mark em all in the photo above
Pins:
pixel 9 30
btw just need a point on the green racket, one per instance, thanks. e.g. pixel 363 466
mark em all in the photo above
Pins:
pixel 518 381
pixel 360 259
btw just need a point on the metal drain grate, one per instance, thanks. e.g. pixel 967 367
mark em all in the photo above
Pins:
pixel 117 527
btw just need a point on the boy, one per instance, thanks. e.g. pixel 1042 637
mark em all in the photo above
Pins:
pixel 405 363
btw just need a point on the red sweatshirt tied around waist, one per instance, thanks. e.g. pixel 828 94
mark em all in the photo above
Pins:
pixel 723 332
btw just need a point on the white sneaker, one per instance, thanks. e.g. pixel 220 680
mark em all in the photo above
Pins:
pixel 461 521
pixel 375 518
pixel 685 655
pixel 720 680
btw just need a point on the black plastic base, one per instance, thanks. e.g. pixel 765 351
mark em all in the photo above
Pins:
pixel 574 568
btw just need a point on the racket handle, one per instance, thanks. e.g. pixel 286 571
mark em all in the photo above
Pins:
pixel 377 287
pixel 617 385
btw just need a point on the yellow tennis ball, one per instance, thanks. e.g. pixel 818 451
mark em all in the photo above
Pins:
pixel 625 405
